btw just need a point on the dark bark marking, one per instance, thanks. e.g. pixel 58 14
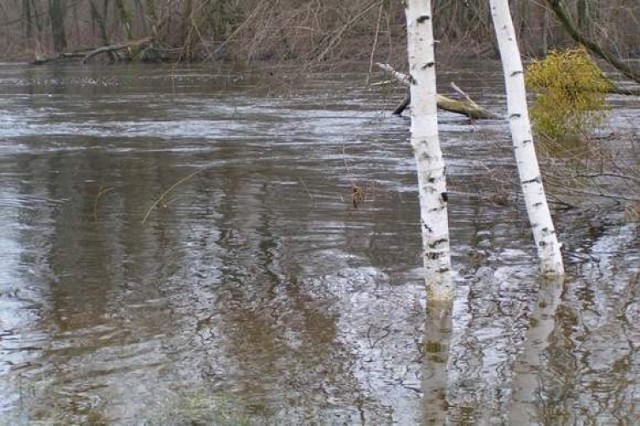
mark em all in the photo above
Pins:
pixel 425 156
pixel 516 115
pixel 445 197
pixel 534 180
pixel 423 18
pixel 437 243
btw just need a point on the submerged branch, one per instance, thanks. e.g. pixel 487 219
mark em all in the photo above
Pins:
pixel 165 193
pixel 115 47
pixel 87 54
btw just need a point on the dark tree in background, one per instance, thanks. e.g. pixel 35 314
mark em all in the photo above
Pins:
pixel 310 31
pixel 56 17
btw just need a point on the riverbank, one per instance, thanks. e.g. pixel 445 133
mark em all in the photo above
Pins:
pixel 307 32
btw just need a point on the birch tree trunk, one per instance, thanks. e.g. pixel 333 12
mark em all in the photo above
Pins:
pixel 531 362
pixel 426 147
pixel 544 233
pixel 437 341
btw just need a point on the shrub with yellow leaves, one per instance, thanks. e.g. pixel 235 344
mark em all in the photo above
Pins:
pixel 570 101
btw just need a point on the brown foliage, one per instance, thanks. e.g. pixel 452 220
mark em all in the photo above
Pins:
pixel 309 31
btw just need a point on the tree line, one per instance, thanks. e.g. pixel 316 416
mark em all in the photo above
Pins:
pixel 303 30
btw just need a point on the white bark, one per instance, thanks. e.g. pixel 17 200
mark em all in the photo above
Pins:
pixel 531 362
pixel 426 148
pixel 437 341
pixel 530 178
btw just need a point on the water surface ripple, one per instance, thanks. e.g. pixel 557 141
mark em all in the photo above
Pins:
pixel 255 291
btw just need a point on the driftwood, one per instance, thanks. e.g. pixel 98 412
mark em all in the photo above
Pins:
pixel 115 47
pixel 67 55
pixel 466 107
pixel 90 53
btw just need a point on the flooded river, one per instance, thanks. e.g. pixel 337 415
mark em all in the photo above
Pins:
pixel 180 246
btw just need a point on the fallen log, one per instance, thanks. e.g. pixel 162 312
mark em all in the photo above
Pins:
pixel 87 54
pixel 115 47
pixel 67 55
pixel 465 107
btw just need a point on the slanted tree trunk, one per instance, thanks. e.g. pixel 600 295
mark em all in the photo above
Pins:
pixel 559 9
pixel 58 34
pixel 537 208
pixel 426 147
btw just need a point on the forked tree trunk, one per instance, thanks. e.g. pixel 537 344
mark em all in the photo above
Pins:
pixel 426 147
pixel 537 208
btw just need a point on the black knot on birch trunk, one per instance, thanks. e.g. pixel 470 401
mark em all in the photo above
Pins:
pixel 437 243
pixel 423 18
pixel 534 180
pixel 433 256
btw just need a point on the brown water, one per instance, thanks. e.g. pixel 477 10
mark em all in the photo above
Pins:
pixel 255 293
